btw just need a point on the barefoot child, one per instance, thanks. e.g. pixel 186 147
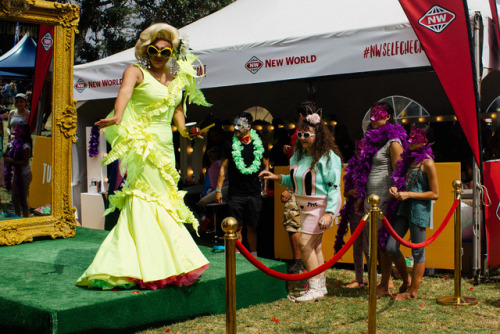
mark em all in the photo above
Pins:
pixel 414 213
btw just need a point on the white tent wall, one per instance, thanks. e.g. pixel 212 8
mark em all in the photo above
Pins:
pixel 255 41
pixel 345 79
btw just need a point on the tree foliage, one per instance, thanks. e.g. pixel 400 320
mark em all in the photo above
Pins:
pixel 110 26
pixel 177 13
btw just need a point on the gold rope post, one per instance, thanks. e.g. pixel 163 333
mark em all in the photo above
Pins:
pixel 229 226
pixel 457 299
pixel 374 201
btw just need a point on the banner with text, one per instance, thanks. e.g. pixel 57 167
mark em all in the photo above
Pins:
pixel 362 52
pixel 443 28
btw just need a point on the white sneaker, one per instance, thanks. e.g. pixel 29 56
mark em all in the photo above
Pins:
pixel 315 292
pixel 323 287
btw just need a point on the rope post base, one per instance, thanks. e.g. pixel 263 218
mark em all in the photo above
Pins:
pixel 457 299
pixel 374 201
pixel 230 226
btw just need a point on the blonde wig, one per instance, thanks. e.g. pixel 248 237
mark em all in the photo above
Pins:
pixel 153 33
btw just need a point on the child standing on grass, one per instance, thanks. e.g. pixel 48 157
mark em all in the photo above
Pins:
pixel 414 213
pixel 17 175
pixel 353 211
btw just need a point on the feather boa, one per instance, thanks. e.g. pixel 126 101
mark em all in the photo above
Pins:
pixel 94 141
pixel 399 176
pixel 16 152
pixel 357 172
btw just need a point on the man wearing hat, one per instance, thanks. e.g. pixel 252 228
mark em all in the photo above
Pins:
pixel 20 114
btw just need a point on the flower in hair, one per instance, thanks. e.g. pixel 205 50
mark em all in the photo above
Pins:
pixel 313 119
pixel 378 113
pixel 183 47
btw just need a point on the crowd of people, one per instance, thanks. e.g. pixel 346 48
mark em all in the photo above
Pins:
pixel 389 160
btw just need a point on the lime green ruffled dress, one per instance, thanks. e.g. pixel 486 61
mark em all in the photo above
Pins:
pixel 149 245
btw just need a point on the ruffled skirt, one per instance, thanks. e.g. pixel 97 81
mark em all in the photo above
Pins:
pixel 148 248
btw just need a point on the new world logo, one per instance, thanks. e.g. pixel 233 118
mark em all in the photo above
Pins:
pixel 254 65
pixel 437 19
pixel 47 41
pixel 80 85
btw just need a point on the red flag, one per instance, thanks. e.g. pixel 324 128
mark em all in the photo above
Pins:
pixel 492 212
pixel 443 28
pixel 494 16
pixel 44 51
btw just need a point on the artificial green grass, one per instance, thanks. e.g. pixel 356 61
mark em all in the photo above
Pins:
pixel 38 291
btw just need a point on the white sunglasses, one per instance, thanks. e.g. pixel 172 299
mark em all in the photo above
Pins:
pixel 305 135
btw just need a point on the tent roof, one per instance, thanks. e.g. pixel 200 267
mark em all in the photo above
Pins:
pixel 21 58
pixel 311 38
pixel 251 23
pixel 10 75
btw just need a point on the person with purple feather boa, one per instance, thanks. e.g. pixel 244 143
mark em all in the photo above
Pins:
pixel 17 173
pixel 354 214
pixel 414 213
pixel 372 172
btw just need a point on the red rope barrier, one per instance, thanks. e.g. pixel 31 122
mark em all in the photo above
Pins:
pixel 297 277
pixel 403 242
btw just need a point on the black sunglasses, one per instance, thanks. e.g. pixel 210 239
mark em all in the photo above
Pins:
pixel 153 51
pixel 305 135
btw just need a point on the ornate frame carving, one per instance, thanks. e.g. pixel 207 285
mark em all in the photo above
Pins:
pixel 61 223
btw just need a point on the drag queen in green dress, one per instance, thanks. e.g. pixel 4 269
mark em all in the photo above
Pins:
pixel 150 246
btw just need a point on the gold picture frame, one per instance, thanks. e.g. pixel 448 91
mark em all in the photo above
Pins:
pixel 64 18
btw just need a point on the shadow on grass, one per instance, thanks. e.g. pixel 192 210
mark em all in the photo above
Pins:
pixel 492 302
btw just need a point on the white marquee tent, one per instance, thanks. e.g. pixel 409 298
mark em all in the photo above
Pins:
pixel 256 41
pixel 275 53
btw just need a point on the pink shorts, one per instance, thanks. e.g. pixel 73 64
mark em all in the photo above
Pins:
pixel 312 208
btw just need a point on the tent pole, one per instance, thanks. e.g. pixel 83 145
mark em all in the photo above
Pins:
pixel 476 174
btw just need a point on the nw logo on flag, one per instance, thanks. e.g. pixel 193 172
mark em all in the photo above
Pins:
pixel 437 19
pixel 47 41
